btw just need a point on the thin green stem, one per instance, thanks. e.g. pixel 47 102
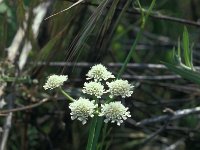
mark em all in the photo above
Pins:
pixel 136 40
pixel 130 53
pixel 93 132
pixel 66 95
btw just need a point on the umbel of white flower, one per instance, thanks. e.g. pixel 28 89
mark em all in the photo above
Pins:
pixel 55 81
pixel 93 88
pixel 120 88
pixel 98 73
pixel 114 112
pixel 82 109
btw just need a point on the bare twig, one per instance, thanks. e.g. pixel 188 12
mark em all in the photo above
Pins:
pixel 153 135
pixel 176 145
pixel 6 130
pixel 116 65
pixel 153 15
pixel 87 65
pixel 176 115
pixel 7 123
pixel 152 77
pixel 3 112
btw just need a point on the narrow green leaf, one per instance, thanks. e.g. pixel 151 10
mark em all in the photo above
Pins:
pixel 92 133
pixel 98 129
pixel 187 51
pixel 184 72
pixel 179 48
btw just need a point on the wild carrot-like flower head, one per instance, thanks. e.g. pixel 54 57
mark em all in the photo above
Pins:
pixel 120 88
pixel 82 109
pixel 114 112
pixel 94 88
pixel 55 81
pixel 99 72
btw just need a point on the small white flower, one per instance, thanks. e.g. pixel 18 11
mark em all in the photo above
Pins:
pixel 99 72
pixel 120 87
pixel 55 81
pixel 94 88
pixel 82 109
pixel 114 112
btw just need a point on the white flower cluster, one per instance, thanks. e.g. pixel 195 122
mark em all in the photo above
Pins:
pixel 99 72
pixel 120 88
pixel 55 81
pixel 94 88
pixel 117 87
pixel 114 112
pixel 83 108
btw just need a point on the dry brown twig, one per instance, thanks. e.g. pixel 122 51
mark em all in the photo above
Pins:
pixel 174 115
pixel 7 111
pixel 156 15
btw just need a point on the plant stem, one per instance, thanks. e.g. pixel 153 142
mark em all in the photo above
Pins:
pixel 66 95
pixel 92 133
pixel 97 132
pixel 104 136
pixel 130 54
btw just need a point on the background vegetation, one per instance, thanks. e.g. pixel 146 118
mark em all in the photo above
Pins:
pixel 164 107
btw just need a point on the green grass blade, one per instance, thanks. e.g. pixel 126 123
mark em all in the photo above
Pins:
pixel 98 129
pixel 186 47
pixel 184 72
pixel 92 133
pixel 179 48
